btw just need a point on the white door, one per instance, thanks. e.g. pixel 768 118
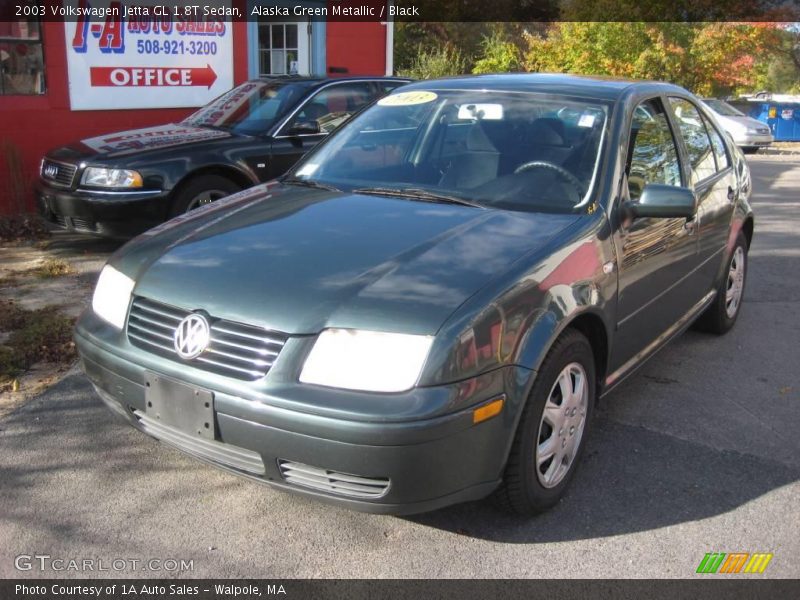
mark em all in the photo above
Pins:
pixel 284 48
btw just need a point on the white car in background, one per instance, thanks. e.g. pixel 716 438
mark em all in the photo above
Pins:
pixel 748 133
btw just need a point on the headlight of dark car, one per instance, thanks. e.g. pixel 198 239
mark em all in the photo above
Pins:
pixel 111 178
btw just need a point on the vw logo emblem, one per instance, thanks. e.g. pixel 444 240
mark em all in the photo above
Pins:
pixel 51 171
pixel 192 336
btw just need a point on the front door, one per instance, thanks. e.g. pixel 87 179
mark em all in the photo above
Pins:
pixel 657 257
pixel 327 109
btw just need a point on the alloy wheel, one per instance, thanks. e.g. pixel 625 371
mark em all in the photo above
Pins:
pixel 205 197
pixel 735 287
pixel 562 424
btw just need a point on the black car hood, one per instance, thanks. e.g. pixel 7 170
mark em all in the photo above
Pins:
pixel 298 260
pixel 136 141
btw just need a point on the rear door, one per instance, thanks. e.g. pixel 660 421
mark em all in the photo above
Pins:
pixel 657 258
pixel 714 182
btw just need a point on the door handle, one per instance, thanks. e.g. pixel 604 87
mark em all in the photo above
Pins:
pixel 731 194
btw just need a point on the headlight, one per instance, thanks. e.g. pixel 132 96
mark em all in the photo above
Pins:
pixel 112 296
pixel 366 360
pixel 112 178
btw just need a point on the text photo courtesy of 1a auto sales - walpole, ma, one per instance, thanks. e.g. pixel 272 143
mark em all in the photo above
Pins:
pixel 356 299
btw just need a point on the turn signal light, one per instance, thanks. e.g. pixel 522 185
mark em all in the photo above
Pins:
pixel 487 411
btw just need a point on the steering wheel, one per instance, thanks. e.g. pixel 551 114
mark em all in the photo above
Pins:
pixel 542 164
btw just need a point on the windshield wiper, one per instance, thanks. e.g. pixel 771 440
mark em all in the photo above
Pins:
pixel 418 194
pixel 309 183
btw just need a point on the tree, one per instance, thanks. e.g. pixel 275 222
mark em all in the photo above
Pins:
pixel 707 58
pixel 499 55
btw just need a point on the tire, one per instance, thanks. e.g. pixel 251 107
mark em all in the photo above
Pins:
pixel 721 315
pixel 750 149
pixel 526 488
pixel 201 190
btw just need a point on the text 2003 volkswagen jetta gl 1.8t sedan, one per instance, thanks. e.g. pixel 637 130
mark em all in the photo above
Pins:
pixel 426 308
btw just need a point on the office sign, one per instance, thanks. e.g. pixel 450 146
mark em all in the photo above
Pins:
pixel 122 54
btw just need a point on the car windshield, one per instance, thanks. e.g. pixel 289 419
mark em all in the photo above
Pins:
pixel 251 108
pixel 723 108
pixel 510 150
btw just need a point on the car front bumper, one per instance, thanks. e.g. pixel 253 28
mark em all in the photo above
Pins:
pixel 110 214
pixel 432 459
pixel 753 140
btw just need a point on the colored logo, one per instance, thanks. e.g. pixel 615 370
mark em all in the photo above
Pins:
pixel 734 562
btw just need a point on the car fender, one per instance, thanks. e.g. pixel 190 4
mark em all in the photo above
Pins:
pixel 240 174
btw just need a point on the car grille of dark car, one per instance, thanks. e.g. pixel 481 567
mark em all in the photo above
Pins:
pixel 235 350
pixel 331 481
pixel 58 173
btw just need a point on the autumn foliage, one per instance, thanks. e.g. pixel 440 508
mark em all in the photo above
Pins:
pixel 707 58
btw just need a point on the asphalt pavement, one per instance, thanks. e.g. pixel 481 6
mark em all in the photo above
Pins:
pixel 698 452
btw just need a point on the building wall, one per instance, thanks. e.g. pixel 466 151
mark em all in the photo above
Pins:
pixel 367 58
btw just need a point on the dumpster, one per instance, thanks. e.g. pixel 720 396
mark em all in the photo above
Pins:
pixel 783 118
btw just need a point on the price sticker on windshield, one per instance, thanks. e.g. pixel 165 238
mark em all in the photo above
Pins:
pixel 407 99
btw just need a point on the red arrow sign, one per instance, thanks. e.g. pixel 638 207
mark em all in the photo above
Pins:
pixel 152 76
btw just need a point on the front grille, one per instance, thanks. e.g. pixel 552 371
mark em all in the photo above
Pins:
pixel 58 173
pixel 218 452
pixel 333 482
pixel 235 350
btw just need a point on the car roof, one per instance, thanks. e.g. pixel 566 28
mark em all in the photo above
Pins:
pixel 604 88
pixel 311 80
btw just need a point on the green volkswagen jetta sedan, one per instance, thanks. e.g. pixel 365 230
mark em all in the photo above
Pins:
pixel 426 309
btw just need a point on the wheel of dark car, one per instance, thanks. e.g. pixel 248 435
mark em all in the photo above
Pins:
pixel 722 314
pixel 201 191
pixel 543 164
pixel 552 430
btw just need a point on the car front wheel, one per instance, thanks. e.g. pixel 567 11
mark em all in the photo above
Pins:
pixel 552 430
pixel 201 191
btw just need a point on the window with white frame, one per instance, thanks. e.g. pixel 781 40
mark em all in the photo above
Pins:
pixel 280 48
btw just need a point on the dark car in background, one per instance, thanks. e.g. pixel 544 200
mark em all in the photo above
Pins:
pixel 427 307
pixel 121 184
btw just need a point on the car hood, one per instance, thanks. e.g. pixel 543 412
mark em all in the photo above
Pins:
pixel 136 141
pixel 298 260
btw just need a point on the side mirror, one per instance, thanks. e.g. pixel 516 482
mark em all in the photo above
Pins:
pixel 305 128
pixel 662 201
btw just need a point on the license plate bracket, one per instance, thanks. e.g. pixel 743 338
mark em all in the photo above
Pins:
pixel 180 405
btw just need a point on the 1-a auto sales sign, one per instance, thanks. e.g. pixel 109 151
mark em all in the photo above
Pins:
pixel 124 54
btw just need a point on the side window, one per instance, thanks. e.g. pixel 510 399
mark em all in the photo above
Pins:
pixel 652 154
pixel 696 137
pixel 723 162
pixel 333 105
